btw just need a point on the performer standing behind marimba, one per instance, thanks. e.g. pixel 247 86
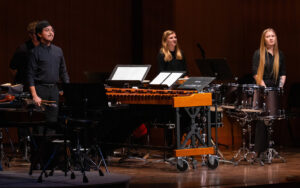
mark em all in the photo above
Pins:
pixel 268 70
pixel 46 67
pixel 19 61
pixel 170 57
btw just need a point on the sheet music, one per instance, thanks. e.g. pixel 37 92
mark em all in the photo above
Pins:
pixel 160 78
pixel 129 73
pixel 172 78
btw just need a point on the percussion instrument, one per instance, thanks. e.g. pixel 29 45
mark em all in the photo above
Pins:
pixel 250 98
pixel 230 95
pixel 273 106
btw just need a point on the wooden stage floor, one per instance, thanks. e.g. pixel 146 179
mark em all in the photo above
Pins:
pixel 155 173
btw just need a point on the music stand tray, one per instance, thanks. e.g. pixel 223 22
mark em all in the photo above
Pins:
pixel 132 75
pixel 197 83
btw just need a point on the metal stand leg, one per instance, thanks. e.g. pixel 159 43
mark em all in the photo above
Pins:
pixel 245 153
pixel 271 153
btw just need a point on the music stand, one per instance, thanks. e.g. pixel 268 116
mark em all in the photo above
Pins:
pixel 96 77
pixel 215 67
pixel 128 74
pixel 165 79
pixel 85 103
pixel 85 96
pixel 197 83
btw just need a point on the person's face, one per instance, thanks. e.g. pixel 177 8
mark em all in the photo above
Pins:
pixel 172 40
pixel 270 39
pixel 47 35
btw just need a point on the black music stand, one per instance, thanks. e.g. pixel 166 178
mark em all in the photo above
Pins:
pixel 96 77
pixel 215 67
pixel 197 83
pixel 83 108
pixel 128 75
pixel 82 99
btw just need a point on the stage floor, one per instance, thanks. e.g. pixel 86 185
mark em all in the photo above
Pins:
pixel 154 172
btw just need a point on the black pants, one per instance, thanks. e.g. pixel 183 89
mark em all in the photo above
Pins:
pixel 49 92
pixel 261 137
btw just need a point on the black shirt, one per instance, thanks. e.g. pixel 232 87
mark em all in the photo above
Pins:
pixel 20 60
pixel 47 65
pixel 268 71
pixel 173 65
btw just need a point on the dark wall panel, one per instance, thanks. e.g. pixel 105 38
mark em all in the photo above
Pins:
pixel 95 35
pixel 158 16
pixel 232 29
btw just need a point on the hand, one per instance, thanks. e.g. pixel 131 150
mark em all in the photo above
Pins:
pixel 37 100
pixel 263 84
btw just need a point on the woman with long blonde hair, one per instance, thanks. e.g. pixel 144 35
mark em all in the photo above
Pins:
pixel 268 71
pixel 170 57
pixel 268 61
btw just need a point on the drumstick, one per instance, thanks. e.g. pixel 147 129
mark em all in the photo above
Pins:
pixel 46 101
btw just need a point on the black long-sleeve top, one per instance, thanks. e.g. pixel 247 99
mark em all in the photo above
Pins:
pixel 47 65
pixel 20 60
pixel 268 71
pixel 173 65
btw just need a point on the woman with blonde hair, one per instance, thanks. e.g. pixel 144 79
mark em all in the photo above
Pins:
pixel 268 70
pixel 268 61
pixel 170 57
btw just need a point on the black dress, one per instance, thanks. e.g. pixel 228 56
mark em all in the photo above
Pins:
pixel 268 71
pixel 173 65
pixel 261 139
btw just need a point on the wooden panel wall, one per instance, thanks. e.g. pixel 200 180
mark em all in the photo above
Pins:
pixel 158 16
pixel 95 35
pixel 232 29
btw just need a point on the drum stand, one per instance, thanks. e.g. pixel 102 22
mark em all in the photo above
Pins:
pixel 245 152
pixel 271 153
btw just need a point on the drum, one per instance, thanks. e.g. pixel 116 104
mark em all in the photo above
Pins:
pixel 250 98
pixel 230 95
pixel 216 91
pixel 273 105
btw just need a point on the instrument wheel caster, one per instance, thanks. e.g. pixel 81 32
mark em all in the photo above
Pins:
pixel 212 162
pixel 182 165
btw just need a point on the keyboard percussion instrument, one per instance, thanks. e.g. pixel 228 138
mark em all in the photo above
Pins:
pixel 190 100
